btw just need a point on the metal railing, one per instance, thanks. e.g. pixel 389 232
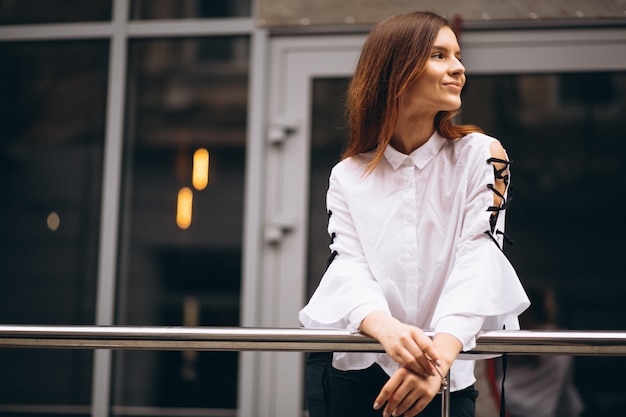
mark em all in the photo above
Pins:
pixel 595 343
pixel 565 342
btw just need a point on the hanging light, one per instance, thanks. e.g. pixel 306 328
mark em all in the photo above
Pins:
pixel 200 170
pixel 183 207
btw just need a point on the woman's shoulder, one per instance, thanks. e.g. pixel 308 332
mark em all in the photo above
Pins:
pixel 353 166
pixel 476 140
pixel 480 145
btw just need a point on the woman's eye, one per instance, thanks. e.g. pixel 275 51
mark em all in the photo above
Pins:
pixel 438 55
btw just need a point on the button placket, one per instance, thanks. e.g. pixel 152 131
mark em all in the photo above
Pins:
pixel 410 219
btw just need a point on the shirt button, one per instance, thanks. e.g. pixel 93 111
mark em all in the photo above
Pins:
pixel 412 290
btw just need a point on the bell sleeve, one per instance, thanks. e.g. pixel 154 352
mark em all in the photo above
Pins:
pixel 347 291
pixel 483 291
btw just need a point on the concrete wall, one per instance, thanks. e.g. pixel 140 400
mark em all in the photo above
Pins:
pixel 297 13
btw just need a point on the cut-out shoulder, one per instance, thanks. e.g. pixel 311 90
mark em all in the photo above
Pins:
pixel 500 164
pixel 498 153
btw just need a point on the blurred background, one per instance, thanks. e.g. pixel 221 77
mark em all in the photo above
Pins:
pixel 165 163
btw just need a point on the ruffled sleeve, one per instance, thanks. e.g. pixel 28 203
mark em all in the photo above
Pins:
pixel 482 283
pixel 348 291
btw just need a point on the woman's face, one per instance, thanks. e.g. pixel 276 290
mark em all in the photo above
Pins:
pixel 439 86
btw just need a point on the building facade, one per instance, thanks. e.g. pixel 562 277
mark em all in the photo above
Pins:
pixel 165 163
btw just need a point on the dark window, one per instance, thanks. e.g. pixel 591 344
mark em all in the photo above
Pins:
pixel 173 271
pixel 54 11
pixel 52 112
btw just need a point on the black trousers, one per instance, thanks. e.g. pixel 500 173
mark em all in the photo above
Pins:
pixel 335 393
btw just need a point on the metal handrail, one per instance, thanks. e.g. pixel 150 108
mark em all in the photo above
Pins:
pixel 563 342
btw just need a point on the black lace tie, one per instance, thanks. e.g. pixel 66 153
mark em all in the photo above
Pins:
pixel 333 254
pixel 499 174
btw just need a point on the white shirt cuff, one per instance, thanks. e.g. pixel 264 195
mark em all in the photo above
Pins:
pixel 358 314
pixel 464 327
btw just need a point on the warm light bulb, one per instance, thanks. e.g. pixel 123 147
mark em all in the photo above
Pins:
pixel 200 170
pixel 183 207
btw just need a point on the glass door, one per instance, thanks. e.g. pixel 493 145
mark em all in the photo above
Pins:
pixel 555 98
pixel 271 383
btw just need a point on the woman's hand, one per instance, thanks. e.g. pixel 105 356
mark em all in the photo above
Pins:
pixel 405 344
pixel 407 393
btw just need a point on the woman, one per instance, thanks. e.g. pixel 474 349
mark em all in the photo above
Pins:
pixel 416 214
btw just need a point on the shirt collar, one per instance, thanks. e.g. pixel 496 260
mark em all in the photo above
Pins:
pixel 419 157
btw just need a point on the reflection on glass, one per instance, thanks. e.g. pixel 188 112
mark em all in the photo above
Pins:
pixel 53 11
pixel 53 221
pixel 184 208
pixel 565 134
pixel 51 146
pixel 200 172
pixel 186 9
pixel 181 101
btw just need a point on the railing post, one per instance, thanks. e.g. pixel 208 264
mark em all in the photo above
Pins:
pixel 445 396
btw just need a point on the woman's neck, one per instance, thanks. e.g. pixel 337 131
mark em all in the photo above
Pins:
pixel 410 134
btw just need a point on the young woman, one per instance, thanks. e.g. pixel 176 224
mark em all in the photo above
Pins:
pixel 416 216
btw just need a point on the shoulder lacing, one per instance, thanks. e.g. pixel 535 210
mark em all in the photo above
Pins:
pixel 333 255
pixel 504 204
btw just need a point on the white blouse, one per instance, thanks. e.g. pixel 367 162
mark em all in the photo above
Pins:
pixel 413 238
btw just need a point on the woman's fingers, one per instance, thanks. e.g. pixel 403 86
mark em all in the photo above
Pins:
pixel 406 394
pixel 417 407
pixel 403 392
pixel 388 389
pixel 402 403
pixel 419 354
pixel 427 346
pixel 416 361
pixel 429 389
pixel 407 345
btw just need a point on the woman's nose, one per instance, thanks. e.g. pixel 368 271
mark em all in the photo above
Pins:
pixel 457 68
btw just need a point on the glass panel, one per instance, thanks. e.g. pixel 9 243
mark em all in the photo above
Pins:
pixel 565 134
pixel 178 270
pixel 189 9
pixel 53 11
pixel 328 138
pixel 52 113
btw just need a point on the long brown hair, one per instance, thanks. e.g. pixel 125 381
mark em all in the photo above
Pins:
pixel 394 54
